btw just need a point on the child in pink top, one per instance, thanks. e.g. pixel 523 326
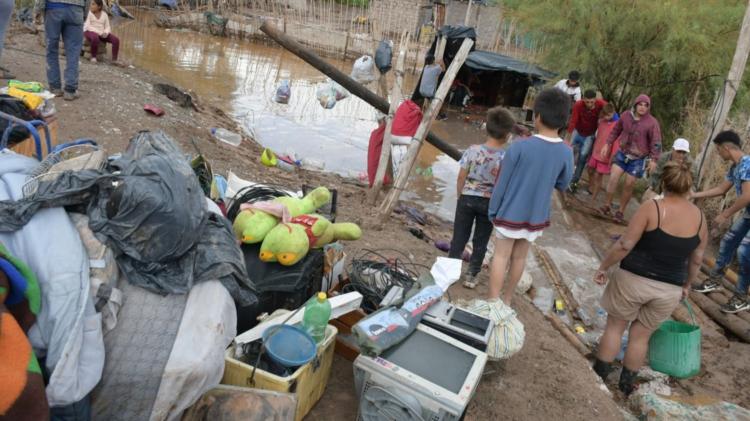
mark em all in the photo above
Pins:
pixel 598 167
pixel 96 29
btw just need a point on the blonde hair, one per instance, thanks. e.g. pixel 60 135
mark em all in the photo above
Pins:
pixel 677 177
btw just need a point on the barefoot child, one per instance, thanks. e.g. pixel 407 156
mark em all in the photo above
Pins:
pixel 96 29
pixel 521 200
pixel 598 166
pixel 480 165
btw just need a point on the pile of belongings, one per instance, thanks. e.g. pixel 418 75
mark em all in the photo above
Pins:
pixel 141 268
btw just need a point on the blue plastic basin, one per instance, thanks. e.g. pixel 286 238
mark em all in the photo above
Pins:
pixel 288 345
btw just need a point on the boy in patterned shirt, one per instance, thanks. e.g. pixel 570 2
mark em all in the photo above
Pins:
pixel 480 165
pixel 728 145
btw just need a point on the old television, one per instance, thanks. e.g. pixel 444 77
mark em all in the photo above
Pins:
pixel 428 376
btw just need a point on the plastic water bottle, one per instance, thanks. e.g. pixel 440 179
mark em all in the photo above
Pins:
pixel 226 136
pixel 315 319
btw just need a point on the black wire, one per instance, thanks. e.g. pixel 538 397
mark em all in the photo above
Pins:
pixel 254 194
pixel 373 274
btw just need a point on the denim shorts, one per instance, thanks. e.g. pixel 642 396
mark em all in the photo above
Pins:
pixel 633 166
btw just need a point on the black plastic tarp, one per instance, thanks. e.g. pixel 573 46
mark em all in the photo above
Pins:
pixel 487 61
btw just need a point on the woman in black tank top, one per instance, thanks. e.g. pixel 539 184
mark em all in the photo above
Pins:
pixel 659 256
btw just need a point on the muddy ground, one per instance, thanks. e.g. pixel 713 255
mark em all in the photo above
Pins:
pixel 548 379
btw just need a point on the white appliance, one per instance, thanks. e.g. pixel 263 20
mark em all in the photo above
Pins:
pixel 427 377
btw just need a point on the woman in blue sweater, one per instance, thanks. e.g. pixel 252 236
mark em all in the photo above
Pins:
pixel 520 203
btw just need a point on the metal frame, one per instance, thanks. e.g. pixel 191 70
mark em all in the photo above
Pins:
pixel 32 126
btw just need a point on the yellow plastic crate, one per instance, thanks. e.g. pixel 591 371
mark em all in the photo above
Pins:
pixel 308 382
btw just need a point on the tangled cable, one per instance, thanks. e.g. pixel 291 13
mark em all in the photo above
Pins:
pixel 253 194
pixel 372 274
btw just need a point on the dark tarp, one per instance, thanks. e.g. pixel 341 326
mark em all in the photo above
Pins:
pixel 485 60
pixel 149 208
pixel 451 31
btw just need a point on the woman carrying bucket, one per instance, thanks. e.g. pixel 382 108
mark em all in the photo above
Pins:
pixel 660 255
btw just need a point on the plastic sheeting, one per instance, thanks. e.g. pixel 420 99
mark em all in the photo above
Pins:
pixel 149 208
pixel 384 56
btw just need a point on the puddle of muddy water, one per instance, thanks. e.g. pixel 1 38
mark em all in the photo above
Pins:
pixel 243 76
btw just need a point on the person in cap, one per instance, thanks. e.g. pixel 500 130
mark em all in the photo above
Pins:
pixel 729 147
pixel 640 141
pixel 680 153
pixel 571 86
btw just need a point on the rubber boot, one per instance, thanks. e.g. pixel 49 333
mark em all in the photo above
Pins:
pixel 627 378
pixel 602 369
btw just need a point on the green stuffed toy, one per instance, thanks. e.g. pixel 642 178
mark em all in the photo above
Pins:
pixel 252 225
pixel 288 243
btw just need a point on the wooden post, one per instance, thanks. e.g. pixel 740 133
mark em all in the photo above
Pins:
pixel 424 126
pixel 385 153
pixel 730 322
pixel 726 98
pixel 468 11
pixel 346 45
pixel 347 82
pixel 440 49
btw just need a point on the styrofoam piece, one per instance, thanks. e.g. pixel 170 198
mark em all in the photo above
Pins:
pixel 340 305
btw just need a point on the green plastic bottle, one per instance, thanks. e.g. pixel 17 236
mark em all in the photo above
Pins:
pixel 315 319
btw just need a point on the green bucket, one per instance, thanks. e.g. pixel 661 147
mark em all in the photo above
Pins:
pixel 675 348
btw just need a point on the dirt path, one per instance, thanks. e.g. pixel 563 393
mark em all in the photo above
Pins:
pixel 547 380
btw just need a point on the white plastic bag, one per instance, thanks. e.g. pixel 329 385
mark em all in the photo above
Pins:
pixel 363 70
pixel 330 92
pixel 508 335
pixel 283 92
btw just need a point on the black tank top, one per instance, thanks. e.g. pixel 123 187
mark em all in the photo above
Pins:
pixel 661 256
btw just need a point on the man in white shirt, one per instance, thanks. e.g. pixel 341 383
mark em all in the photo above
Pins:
pixel 571 86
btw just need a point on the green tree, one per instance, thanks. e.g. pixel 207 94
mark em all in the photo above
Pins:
pixel 676 51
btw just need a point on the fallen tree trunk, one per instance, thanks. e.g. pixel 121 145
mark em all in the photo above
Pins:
pixel 731 322
pixel 567 334
pixel 350 84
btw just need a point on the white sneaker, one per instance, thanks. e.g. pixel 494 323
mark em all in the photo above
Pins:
pixel 93 59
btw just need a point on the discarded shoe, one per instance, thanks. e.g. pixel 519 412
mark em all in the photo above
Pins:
pixel 735 304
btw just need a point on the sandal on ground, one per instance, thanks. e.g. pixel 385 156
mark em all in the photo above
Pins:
pixel 605 210
pixel 619 216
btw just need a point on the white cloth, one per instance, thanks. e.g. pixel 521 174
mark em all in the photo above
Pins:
pixel 196 364
pixel 575 93
pixel 398 153
pixel 520 234
pixel 68 331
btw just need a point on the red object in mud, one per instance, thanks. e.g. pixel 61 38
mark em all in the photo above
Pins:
pixel 407 119
pixel 153 109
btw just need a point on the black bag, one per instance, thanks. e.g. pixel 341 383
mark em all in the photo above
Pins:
pixel 383 57
pixel 16 108
pixel 279 286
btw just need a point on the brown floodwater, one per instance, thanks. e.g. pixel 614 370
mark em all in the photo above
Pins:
pixel 242 76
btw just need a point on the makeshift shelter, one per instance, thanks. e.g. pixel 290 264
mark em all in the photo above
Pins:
pixel 493 79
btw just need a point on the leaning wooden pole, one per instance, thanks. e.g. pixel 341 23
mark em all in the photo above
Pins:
pixel 424 127
pixel 350 84
pixel 385 153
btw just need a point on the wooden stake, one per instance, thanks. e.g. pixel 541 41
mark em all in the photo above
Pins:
pixel 557 280
pixel 440 49
pixel 416 143
pixel 567 334
pixel 468 12
pixel 724 101
pixel 385 153
pixel 347 82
